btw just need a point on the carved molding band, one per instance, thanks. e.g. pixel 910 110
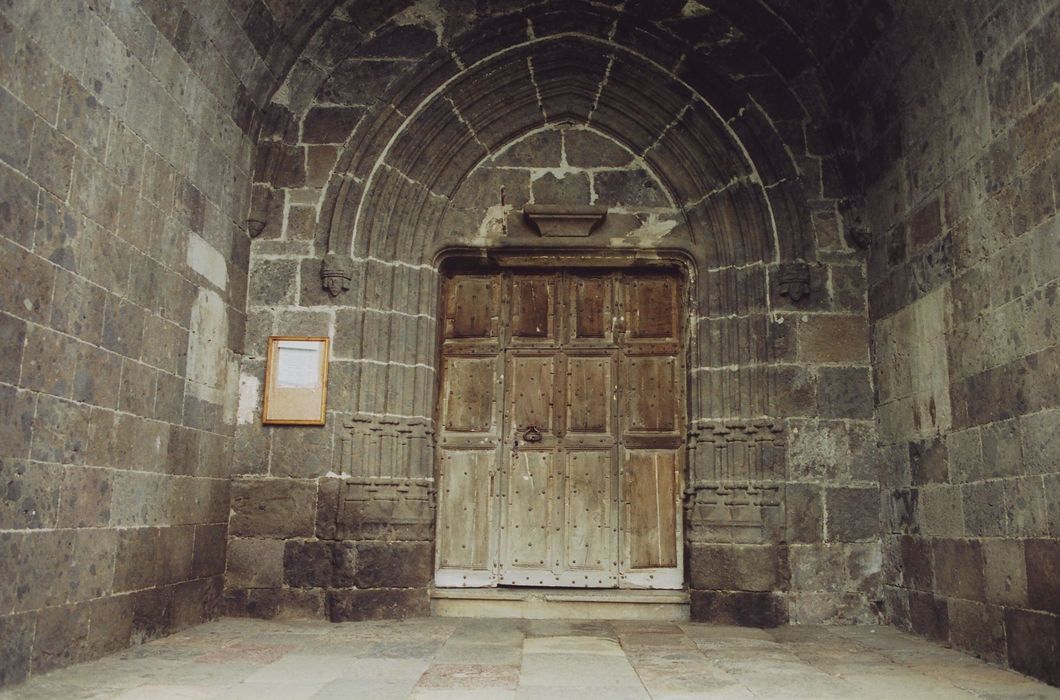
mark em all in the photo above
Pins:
pixel 735 513
pixel 386 447
pixel 737 451
pixel 395 509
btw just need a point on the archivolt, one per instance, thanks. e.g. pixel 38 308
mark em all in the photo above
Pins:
pixel 738 185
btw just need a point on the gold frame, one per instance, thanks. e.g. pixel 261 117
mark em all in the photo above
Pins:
pixel 271 369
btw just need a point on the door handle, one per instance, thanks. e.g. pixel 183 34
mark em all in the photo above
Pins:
pixel 532 434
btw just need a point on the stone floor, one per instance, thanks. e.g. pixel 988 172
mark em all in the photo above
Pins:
pixel 467 659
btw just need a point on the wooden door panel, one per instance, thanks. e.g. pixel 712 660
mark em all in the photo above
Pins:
pixel 531 393
pixel 590 391
pixel 650 394
pixel 472 307
pixel 533 310
pixel 593 362
pixel 650 505
pixel 528 524
pixel 652 308
pixel 590 301
pixel 464 501
pixel 589 529
pixel 469 395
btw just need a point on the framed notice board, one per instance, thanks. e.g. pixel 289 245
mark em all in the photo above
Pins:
pixel 296 381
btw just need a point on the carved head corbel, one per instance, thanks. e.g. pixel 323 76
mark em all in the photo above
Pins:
pixel 793 279
pixel 336 273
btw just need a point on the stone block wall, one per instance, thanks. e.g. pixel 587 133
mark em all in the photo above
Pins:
pixel 961 146
pixel 124 184
pixel 782 518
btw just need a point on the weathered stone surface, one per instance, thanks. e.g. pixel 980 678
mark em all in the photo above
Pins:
pixel 630 189
pixel 832 339
pixel 959 568
pixel 853 513
pixel 745 609
pixel 542 149
pixel 394 565
pixel 977 628
pixel 29 494
pixel 929 616
pixel 319 564
pixel 844 392
pixel 110 626
pixel 254 563
pixel 929 463
pixel 571 188
pixel 587 149
pixel 917 563
pixel 805 513
pixel 276 603
pixel 1033 641
pixel 379 604
pixel 272 508
pixel 60 637
pixel 738 567
pixel 330 124
pixel 16 639
pixel 1043 574
pixel 301 452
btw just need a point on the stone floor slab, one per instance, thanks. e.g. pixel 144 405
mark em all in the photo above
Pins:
pixel 434 659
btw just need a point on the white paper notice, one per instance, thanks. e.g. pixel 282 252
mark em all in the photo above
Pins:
pixel 299 365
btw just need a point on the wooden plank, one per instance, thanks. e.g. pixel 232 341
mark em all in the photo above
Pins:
pixel 528 524
pixel 468 394
pixel 652 308
pixel 650 502
pixel 471 306
pixel 531 387
pixel 533 308
pixel 590 535
pixel 590 303
pixel 464 509
pixel 650 396
pixel 589 392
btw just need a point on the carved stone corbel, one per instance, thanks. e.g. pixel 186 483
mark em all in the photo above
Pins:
pixel 336 273
pixel 255 227
pixel 793 279
pixel 564 221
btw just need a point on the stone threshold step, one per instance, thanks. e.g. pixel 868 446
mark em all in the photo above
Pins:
pixel 560 603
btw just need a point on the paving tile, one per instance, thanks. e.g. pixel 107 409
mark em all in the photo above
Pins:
pixel 238 659
pixel 469 676
pixel 398 670
pixel 502 654
pixel 546 692
pixel 462 694
pixel 376 689
pixel 577 670
pixel 168 692
pixel 300 669
pixel 572 645
pixel 259 691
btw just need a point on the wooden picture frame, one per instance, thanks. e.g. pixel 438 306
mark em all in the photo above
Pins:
pixel 296 381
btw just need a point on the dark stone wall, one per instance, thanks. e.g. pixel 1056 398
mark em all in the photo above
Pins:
pixel 783 500
pixel 125 165
pixel 957 111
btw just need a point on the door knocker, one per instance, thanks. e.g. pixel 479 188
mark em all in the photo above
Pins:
pixel 532 434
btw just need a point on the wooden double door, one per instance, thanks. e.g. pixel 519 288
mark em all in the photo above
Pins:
pixel 561 423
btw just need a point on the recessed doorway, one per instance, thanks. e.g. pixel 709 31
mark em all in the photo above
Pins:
pixel 561 429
